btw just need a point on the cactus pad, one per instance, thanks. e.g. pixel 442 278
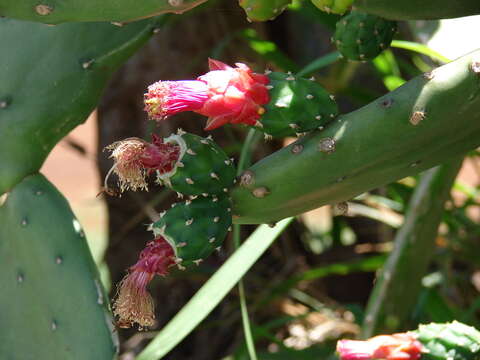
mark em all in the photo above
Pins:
pixel 333 6
pixel 360 36
pixel 263 10
pixel 202 168
pixel 195 228
pixel 53 303
pixel 453 341
pixel 297 105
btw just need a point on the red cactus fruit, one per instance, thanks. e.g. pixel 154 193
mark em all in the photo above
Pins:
pixel 402 346
pixel 134 303
pixel 135 159
pixel 224 94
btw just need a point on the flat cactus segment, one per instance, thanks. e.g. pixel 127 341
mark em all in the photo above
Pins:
pixel 52 78
pixel 60 11
pixel 415 10
pixel 360 36
pixel 453 341
pixel 195 228
pixel 428 121
pixel 333 6
pixel 202 168
pixel 263 10
pixel 297 105
pixel 53 303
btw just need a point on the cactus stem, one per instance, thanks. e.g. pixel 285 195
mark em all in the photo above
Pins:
pixel 189 181
pixel 327 145
pixel 191 152
pixel 417 116
pixel 43 9
pixel 260 192
pixel 247 178
pixel 216 219
pixel 189 222
pixel 297 149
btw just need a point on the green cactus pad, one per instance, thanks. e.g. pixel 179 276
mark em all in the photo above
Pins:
pixel 333 6
pixel 118 11
pixel 415 10
pixel 195 228
pixel 53 304
pixel 263 10
pixel 453 341
pixel 360 36
pixel 52 78
pixel 297 105
pixel 202 168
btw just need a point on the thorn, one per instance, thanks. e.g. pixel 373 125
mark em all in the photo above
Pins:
pixel 229 228
pixel 209 137
pixel 225 190
pixel 182 244
pixel 260 192
pixel 180 132
pixel 211 240
pixel 318 117
pixel 193 197
pixel 227 162
pixel 204 194
pixel 229 209
pixel 309 96
pixel 214 199
pixel 198 261
pixel 214 176
pixel 269 87
pixel 259 124
pixel 191 152
pixel 293 126
pixel 247 178
pixel 204 141
pixel 189 181
pixel 188 202
pixel 218 248
pixel 179 195
pixel 312 78
pixel 216 219
pixel 162 213
pixel 267 71
pixel 332 97
pixel 267 137
pixel 189 222
pixel 180 164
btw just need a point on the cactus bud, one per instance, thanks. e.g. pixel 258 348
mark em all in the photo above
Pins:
pixel 134 304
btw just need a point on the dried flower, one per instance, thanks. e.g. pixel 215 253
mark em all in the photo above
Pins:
pixel 402 346
pixel 135 159
pixel 224 94
pixel 134 303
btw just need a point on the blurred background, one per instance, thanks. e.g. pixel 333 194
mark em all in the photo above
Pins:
pixel 312 286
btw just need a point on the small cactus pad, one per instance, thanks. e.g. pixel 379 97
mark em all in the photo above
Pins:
pixel 297 105
pixel 202 167
pixel 59 87
pixel 195 228
pixel 333 6
pixel 263 10
pixel 360 36
pixel 453 341
pixel 118 11
pixel 53 304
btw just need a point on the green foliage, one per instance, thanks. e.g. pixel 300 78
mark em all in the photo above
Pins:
pixel 60 11
pixel 195 228
pixel 52 78
pixel 360 36
pixel 54 306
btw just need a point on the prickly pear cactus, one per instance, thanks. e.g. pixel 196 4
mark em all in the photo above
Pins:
pixel 453 341
pixel 360 36
pixel 202 167
pixel 195 228
pixel 59 11
pixel 53 304
pixel 296 105
pixel 263 10
pixel 333 6
pixel 47 90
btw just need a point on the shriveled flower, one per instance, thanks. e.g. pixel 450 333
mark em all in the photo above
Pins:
pixel 135 158
pixel 224 94
pixel 402 346
pixel 134 303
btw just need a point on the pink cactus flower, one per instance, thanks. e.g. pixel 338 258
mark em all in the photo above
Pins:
pixel 135 159
pixel 402 346
pixel 224 94
pixel 134 303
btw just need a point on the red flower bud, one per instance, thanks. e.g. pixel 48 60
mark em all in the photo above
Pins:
pixel 225 95
pixel 401 346
pixel 134 304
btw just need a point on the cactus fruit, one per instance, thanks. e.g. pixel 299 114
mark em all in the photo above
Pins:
pixel 277 104
pixel 60 11
pixel 187 163
pixel 360 36
pixel 263 10
pixel 452 341
pixel 59 85
pixel 185 234
pixel 296 105
pixel 367 148
pixel 413 10
pixel 195 228
pixel 333 6
pixel 53 304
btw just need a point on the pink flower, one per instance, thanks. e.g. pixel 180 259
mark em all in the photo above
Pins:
pixel 134 303
pixel 135 159
pixel 402 346
pixel 224 94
